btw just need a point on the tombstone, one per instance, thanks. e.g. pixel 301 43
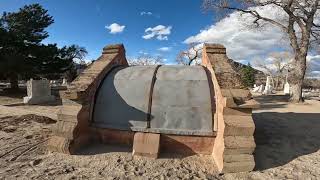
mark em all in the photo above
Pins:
pixel 255 88
pixel 261 88
pixel 268 88
pixel 39 92
pixel 286 89
pixel 64 82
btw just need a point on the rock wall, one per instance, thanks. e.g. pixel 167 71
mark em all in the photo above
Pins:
pixel 234 143
pixel 73 126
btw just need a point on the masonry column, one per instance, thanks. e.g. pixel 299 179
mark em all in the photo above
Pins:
pixel 72 129
pixel 234 143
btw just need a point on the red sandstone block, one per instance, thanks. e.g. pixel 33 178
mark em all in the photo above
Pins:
pixel 146 144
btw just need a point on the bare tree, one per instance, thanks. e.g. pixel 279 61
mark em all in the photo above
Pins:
pixel 300 24
pixel 278 67
pixel 144 60
pixel 192 54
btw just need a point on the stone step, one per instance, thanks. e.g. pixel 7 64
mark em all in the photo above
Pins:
pixel 64 129
pixel 239 145
pixel 146 144
pixel 237 111
pixel 238 125
pixel 69 113
pixel 243 166
pixel 238 158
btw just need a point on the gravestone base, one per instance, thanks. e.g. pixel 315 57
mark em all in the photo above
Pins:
pixel 39 92
pixel 38 99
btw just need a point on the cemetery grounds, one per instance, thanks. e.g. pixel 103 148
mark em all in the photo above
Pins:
pixel 287 138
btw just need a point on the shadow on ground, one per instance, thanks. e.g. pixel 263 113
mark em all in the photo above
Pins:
pixel 98 148
pixel 272 101
pixel 282 137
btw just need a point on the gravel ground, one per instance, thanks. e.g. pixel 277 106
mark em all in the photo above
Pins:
pixel 23 156
pixel 287 138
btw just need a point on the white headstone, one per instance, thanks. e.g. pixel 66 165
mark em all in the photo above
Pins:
pixel 261 88
pixel 268 89
pixel 286 89
pixel 39 92
pixel 256 88
pixel 64 82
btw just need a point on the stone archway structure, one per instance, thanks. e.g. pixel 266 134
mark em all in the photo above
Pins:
pixel 182 109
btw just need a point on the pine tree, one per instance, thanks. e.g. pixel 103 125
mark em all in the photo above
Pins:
pixel 248 75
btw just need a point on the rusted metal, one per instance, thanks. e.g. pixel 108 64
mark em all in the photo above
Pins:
pixel 154 77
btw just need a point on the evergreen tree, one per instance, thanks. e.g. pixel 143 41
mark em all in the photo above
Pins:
pixel 248 75
pixel 21 53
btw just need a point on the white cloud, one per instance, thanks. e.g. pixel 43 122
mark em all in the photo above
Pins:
pixel 164 49
pixel 115 28
pixel 313 65
pixel 143 52
pixel 160 32
pixel 245 43
pixel 242 41
pixel 147 13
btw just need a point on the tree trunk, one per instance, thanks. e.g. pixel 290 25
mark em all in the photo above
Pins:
pixel 14 81
pixel 297 77
pixel 296 95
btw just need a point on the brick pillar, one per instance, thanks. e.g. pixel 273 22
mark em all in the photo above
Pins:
pixel 72 129
pixel 234 143
pixel 227 76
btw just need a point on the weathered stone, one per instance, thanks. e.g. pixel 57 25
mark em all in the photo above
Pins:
pixel 39 92
pixel 187 145
pixel 215 49
pixel 237 111
pixel 249 104
pixel 72 130
pixel 65 129
pixel 146 144
pixel 238 158
pixel 239 93
pixel 268 89
pixel 238 166
pixel 59 144
pixel 238 125
pixel 286 89
pixel 239 145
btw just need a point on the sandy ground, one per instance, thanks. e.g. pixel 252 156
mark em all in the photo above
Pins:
pixel 23 155
pixel 287 137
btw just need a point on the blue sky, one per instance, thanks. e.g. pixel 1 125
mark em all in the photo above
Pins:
pixel 83 22
pixel 171 24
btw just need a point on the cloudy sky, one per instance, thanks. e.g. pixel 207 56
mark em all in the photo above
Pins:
pixel 157 27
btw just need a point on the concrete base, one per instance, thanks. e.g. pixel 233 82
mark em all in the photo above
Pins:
pixel 38 100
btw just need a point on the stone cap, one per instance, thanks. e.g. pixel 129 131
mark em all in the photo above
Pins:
pixel 113 48
pixel 214 48
pixel 239 98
